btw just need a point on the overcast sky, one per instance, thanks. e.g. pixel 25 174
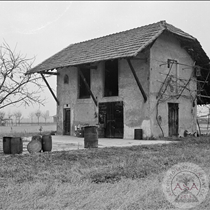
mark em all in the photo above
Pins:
pixel 41 29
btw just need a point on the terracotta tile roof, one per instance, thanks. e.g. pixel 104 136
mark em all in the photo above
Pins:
pixel 119 45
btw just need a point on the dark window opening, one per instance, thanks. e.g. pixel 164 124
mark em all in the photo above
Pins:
pixel 83 91
pixel 111 78
pixel 66 79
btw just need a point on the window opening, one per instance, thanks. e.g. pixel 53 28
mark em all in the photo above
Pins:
pixel 111 78
pixel 83 91
pixel 66 79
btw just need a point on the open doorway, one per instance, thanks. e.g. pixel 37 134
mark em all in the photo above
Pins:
pixel 173 119
pixel 66 121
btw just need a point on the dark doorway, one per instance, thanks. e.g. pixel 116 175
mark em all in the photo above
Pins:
pixel 111 119
pixel 66 121
pixel 173 119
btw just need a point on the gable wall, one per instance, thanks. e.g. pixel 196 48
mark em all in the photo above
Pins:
pixel 168 47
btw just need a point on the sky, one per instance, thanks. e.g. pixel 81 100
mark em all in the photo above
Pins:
pixel 42 28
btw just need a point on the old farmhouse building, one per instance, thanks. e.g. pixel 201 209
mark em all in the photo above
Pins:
pixel 148 78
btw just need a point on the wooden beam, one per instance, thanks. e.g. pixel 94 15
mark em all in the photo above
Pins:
pixel 87 66
pixel 203 96
pixel 136 58
pixel 88 88
pixel 137 80
pixel 53 94
pixel 51 73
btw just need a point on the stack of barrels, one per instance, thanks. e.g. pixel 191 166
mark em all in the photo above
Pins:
pixel 12 145
pixel 40 143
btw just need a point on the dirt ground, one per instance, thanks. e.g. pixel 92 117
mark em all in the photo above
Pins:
pixel 66 143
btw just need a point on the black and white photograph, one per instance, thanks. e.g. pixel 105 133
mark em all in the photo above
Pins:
pixel 104 105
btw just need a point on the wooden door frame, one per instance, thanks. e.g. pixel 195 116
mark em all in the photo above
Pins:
pixel 176 105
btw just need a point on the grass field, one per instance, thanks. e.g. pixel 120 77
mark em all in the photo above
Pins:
pixel 127 178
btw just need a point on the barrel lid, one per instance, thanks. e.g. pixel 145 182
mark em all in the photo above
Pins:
pixel 34 146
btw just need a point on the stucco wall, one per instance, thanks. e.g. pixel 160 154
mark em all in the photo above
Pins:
pixel 137 114
pixel 168 47
pixel 83 110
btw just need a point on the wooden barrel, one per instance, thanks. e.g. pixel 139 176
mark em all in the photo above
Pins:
pixel 12 145
pixel 91 137
pixel 37 138
pixel 138 134
pixel 34 146
pixel 46 143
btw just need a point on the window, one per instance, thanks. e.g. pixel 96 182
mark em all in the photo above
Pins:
pixel 111 78
pixel 66 79
pixel 83 91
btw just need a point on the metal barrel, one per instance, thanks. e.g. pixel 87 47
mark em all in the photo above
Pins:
pixel 34 146
pixel 12 145
pixel 91 137
pixel 46 143
pixel 37 138
pixel 138 134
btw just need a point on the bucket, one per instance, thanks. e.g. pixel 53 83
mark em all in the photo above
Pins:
pixel 12 145
pixel 91 137
pixel 34 146
pixel 46 143
pixel 138 134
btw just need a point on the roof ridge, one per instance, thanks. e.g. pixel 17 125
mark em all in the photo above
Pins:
pixel 120 32
pixel 185 34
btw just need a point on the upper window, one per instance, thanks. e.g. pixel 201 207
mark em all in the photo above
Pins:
pixel 111 78
pixel 66 79
pixel 83 90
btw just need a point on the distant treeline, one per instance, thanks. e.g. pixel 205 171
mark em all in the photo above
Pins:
pixel 28 123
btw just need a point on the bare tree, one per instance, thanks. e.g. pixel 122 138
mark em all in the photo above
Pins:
pixel 18 116
pixel 2 115
pixel 14 83
pixel 38 115
pixel 45 115
pixel 10 115
pixel 31 116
